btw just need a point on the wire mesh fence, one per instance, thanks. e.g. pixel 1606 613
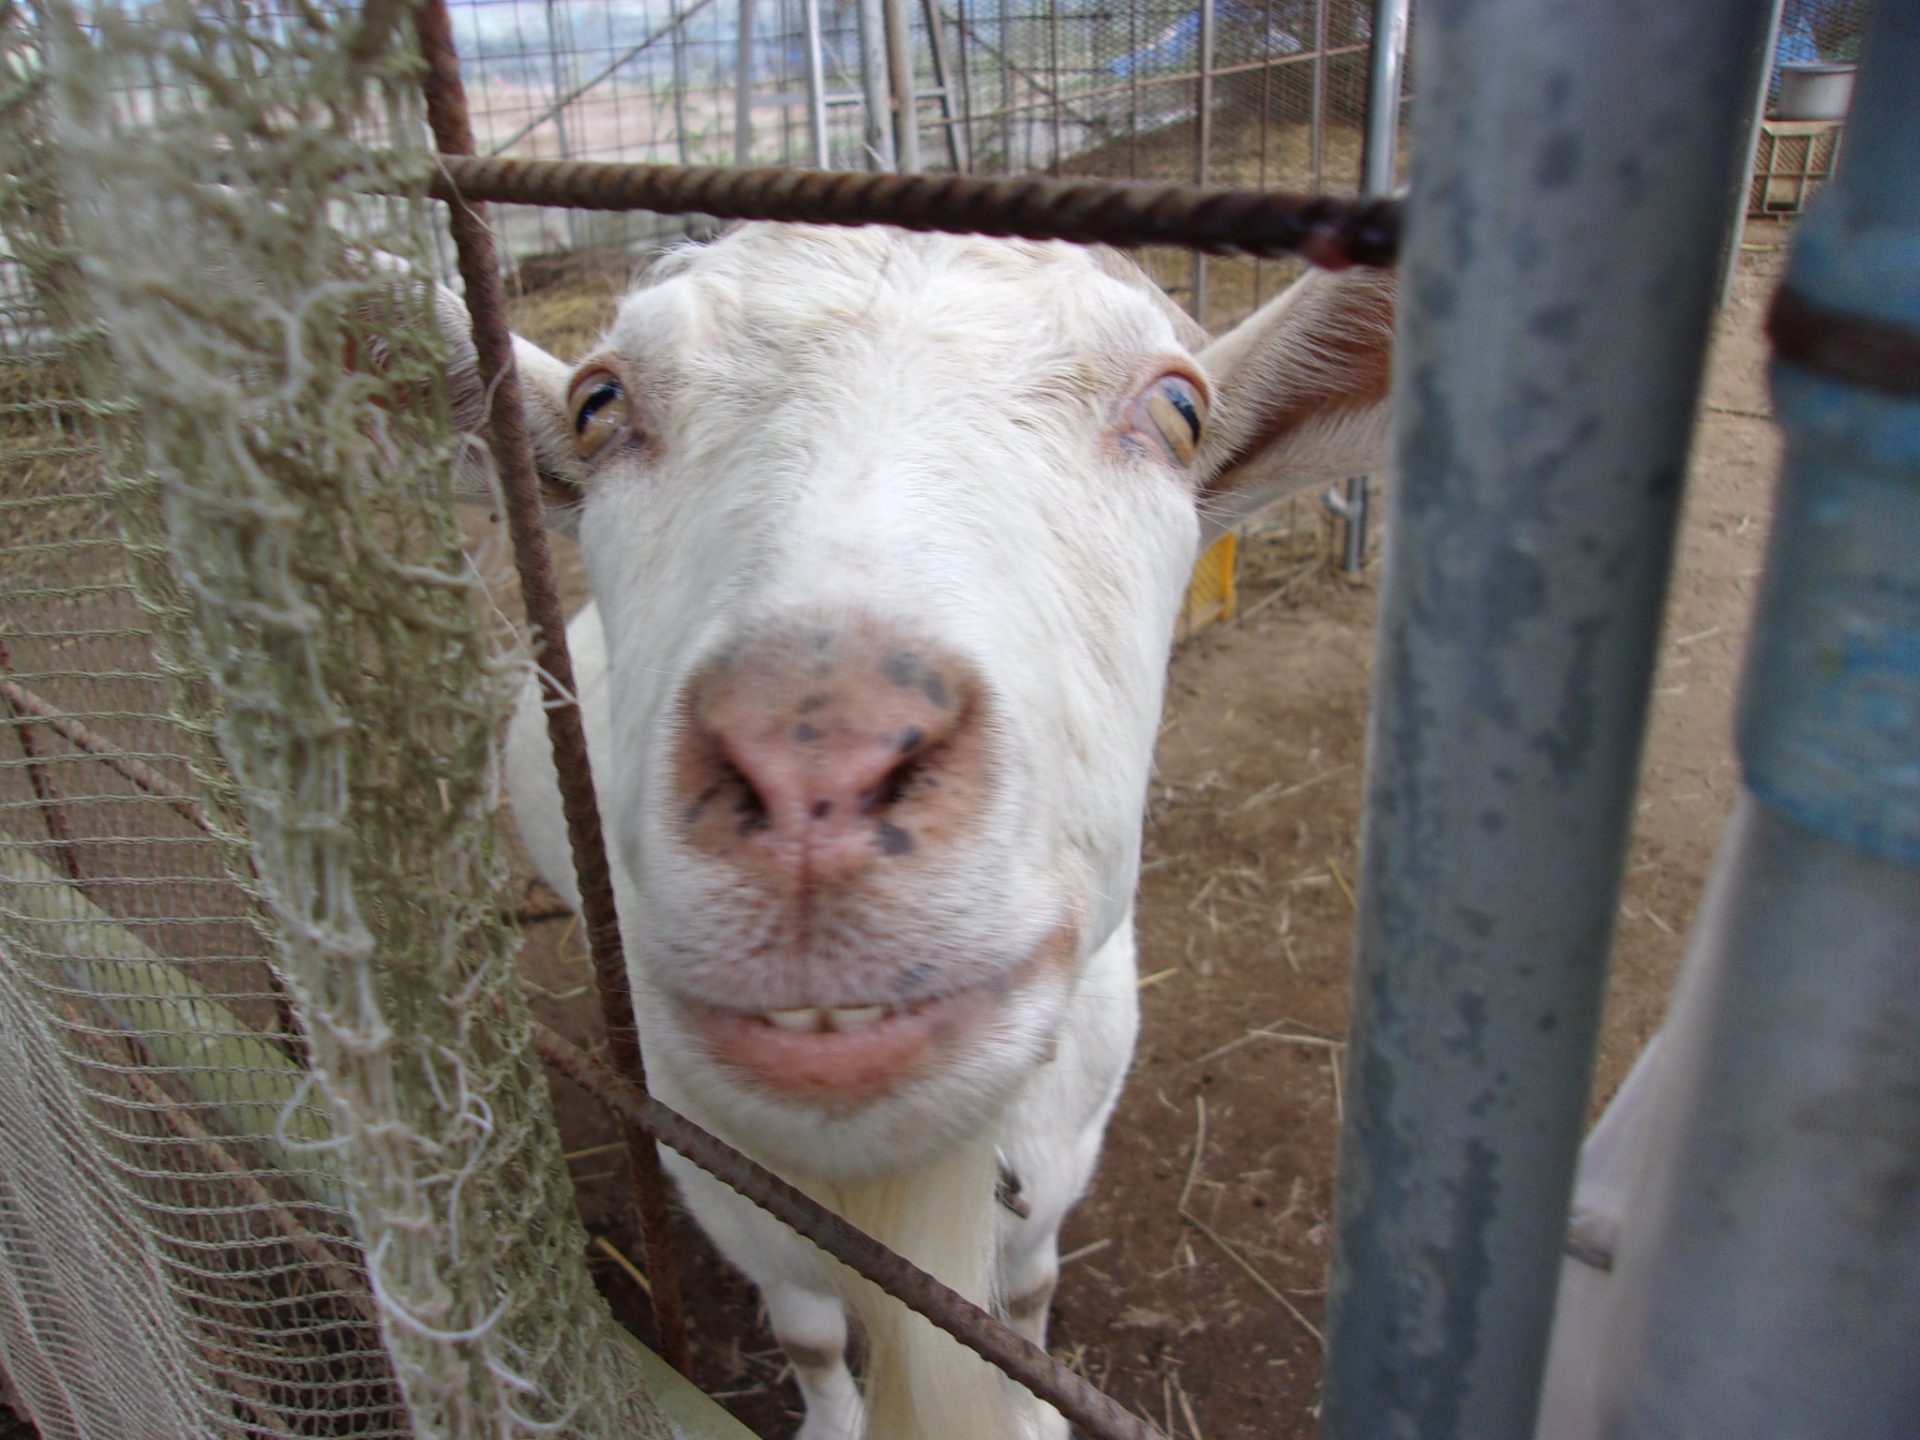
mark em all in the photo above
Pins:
pixel 1269 94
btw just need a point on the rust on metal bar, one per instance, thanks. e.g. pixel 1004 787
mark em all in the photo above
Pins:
pixel 513 453
pixel 25 702
pixel 59 828
pixel 1098 1416
pixel 1328 231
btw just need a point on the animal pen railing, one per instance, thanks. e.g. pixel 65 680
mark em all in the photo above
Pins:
pixel 258 1176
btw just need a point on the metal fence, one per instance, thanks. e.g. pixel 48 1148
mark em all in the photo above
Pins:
pixel 1269 93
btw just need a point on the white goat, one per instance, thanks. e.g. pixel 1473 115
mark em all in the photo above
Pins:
pixel 888 534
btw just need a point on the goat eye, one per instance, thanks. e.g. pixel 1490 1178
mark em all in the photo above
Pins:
pixel 599 407
pixel 1174 410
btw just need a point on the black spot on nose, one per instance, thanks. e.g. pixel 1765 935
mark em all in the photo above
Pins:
pixel 910 741
pixel 935 689
pixel 822 809
pixel 805 733
pixel 893 840
pixel 814 702
pixel 901 668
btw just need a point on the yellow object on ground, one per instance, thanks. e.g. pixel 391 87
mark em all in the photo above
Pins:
pixel 1210 594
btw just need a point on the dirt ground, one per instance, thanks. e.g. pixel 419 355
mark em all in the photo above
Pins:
pixel 1207 1322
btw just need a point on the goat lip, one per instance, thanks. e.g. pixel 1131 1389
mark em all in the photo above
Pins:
pixel 836 1067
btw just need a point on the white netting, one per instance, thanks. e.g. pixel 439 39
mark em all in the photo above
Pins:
pixel 275 1159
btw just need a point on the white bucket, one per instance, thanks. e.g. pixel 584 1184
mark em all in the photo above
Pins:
pixel 1815 92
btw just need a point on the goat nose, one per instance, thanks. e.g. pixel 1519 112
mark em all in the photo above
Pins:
pixel 819 757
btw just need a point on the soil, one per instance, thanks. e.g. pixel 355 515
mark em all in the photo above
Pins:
pixel 1208 1325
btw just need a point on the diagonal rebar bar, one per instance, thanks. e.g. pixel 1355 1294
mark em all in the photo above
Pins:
pixel 1098 1415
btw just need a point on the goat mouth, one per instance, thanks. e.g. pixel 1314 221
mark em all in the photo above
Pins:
pixel 839 1055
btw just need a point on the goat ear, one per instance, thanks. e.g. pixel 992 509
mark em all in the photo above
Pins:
pixel 543 391
pixel 1299 393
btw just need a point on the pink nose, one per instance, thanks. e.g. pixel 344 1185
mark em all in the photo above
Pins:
pixel 819 755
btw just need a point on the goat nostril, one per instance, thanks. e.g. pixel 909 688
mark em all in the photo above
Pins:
pixel 748 803
pixel 893 789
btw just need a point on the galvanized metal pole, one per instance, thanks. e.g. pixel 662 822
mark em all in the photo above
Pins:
pixel 1743 186
pixel 957 139
pixel 559 55
pixel 816 86
pixel 743 88
pixel 1203 144
pixel 906 100
pixel 1546 377
pixel 1379 171
pixel 1317 122
pixel 873 83
pixel 1769 1278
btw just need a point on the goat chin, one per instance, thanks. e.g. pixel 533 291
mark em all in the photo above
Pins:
pixel 921 1383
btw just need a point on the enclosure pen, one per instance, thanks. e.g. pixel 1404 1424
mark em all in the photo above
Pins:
pixel 276 1153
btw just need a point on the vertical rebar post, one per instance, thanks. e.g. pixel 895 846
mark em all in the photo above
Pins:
pixel 1768 1284
pixel 1203 142
pixel 1546 379
pixel 816 86
pixel 1379 169
pixel 873 84
pixel 513 454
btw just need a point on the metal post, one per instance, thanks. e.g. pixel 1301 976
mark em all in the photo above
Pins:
pixel 873 81
pixel 558 55
pixel 682 78
pixel 743 88
pixel 1547 373
pixel 957 140
pixel 966 77
pixel 1006 90
pixel 1317 122
pixel 1762 84
pixel 1769 1276
pixel 816 86
pixel 906 104
pixel 1379 171
pixel 1203 144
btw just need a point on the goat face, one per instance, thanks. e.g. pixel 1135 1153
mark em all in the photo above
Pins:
pixel 888 535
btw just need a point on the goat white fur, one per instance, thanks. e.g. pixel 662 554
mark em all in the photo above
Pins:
pixel 967 452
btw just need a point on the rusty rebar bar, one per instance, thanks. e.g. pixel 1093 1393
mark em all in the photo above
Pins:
pixel 1098 1415
pixel 448 117
pixel 45 792
pixel 24 702
pixel 1333 232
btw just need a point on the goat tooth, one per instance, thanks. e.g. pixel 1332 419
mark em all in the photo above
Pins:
pixel 855 1017
pixel 802 1020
